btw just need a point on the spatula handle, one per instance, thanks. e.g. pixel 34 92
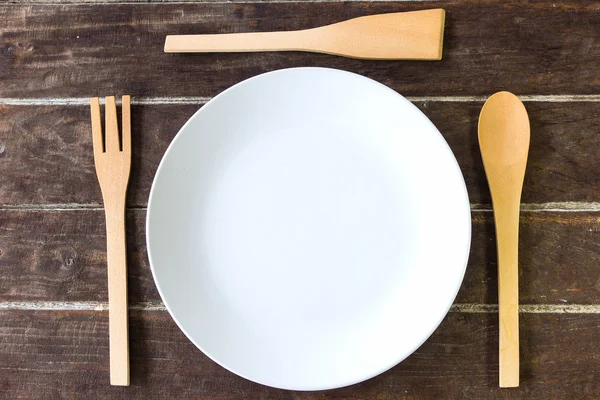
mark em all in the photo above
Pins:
pixel 236 42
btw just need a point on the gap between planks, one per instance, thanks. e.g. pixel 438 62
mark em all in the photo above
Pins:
pixel 199 100
pixel 566 206
pixel 100 2
pixel 159 306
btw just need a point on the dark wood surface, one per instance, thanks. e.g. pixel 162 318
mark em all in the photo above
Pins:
pixel 64 355
pixel 53 331
pixel 53 163
pixel 61 255
pixel 546 47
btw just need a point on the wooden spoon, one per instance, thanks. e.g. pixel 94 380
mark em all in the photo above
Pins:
pixel 504 144
pixel 416 35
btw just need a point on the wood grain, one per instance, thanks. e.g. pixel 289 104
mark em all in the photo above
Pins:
pixel 535 47
pixel 42 146
pixel 55 355
pixel 60 256
pixel 551 270
pixel 538 47
pixel 564 152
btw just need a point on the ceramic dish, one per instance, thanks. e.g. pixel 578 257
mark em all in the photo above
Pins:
pixel 308 228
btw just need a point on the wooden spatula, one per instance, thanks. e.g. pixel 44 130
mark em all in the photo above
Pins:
pixel 416 35
pixel 504 142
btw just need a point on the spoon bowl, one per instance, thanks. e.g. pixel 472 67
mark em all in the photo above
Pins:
pixel 504 130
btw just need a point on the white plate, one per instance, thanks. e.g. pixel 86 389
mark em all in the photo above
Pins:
pixel 308 228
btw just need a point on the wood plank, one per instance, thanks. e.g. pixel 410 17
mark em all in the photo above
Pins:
pixel 46 155
pixel 535 47
pixel 558 258
pixel 60 256
pixel 65 355
pixel 564 153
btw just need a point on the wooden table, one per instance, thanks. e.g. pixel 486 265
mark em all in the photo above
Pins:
pixel 54 54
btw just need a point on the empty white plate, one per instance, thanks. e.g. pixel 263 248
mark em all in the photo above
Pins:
pixel 308 228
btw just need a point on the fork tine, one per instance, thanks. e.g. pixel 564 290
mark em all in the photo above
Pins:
pixel 111 125
pixel 126 123
pixel 96 126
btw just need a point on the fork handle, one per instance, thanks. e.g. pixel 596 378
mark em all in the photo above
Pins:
pixel 117 294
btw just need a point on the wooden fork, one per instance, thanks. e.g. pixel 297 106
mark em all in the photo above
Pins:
pixel 113 164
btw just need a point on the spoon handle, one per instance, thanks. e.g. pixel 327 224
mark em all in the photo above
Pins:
pixel 506 218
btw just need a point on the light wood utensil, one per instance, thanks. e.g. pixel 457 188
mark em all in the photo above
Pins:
pixel 504 143
pixel 113 163
pixel 415 35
